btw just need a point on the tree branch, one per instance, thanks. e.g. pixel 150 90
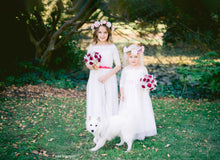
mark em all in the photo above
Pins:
pixel 56 20
pixel 40 19
pixel 35 43
pixel 78 25
pixel 76 6
pixel 83 14
pixel 70 22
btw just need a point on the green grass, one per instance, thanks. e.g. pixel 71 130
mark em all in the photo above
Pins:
pixel 54 128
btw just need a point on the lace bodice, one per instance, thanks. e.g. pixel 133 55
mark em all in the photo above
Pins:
pixel 109 54
pixel 131 76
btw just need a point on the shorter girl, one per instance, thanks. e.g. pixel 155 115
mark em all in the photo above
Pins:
pixel 135 102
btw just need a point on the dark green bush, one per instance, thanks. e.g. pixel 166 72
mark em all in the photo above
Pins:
pixel 205 75
pixel 69 57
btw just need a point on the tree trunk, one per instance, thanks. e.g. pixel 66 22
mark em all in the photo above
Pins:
pixel 50 41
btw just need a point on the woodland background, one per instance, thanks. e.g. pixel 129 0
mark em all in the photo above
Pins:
pixel 43 76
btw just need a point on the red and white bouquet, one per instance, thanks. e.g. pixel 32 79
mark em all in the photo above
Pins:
pixel 148 82
pixel 92 58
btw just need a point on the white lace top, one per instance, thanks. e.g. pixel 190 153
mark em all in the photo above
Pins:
pixel 109 54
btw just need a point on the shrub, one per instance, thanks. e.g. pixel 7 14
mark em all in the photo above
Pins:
pixel 69 57
pixel 204 75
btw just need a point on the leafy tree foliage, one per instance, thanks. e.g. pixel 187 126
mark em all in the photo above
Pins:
pixel 50 24
pixel 182 17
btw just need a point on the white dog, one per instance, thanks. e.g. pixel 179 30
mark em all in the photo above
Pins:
pixel 117 126
pixel 94 126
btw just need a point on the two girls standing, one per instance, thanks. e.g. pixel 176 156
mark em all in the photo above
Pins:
pixel 102 90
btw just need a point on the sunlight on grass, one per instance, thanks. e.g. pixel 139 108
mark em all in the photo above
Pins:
pixel 180 60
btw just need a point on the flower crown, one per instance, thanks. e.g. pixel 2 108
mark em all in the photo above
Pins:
pixel 134 49
pixel 102 22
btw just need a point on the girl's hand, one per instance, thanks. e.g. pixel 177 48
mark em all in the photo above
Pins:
pixel 103 79
pixel 89 67
pixel 122 98
pixel 96 67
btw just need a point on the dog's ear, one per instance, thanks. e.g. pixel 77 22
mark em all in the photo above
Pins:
pixel 99 119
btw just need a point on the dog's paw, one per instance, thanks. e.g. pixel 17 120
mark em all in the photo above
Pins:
pixel 95 140
pixel 93 149
pixel 119 144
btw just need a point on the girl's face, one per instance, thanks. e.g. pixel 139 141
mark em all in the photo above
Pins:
pixel 133 60
pixel 102 34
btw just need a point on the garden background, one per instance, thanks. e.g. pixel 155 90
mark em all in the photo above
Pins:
pixel 43 77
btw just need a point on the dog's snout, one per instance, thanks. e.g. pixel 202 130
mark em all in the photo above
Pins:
pixel 92 130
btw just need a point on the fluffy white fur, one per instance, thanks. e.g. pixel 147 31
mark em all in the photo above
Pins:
pixel 117 126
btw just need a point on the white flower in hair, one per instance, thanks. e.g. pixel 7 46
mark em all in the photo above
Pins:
pixel 92 26
pixel 102 22
pixel 108 24
pixel 133 52
pixel 133 49
pixel 96 24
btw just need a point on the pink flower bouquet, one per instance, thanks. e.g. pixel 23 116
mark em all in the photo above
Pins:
pixel 92 58
pixel 148 83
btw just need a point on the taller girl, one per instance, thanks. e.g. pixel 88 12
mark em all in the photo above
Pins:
pixel 102 88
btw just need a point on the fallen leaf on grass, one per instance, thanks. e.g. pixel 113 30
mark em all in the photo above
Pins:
pixel 116 148
pixel 35 152
pixel 33 141
pixel 15 146
pixel 167 145
pixel 81 134
pixel 17 154
pixel 51 139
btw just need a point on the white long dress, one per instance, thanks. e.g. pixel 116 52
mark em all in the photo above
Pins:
pixel 137 106
pixel 102 98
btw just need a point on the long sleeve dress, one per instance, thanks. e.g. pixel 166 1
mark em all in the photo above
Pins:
pixel 102 98
pixel 137 106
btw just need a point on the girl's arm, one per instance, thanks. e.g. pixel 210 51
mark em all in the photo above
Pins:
pixel 107 76
pixel 122 94
pixel 122 82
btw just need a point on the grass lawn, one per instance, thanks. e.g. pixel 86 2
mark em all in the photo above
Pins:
pixel 54 128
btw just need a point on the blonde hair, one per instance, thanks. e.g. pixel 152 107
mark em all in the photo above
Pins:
pixel 95 37
pixel 137 49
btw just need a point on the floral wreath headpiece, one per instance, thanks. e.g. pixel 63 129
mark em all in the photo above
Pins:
pixel 133 50
pixel 96 24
